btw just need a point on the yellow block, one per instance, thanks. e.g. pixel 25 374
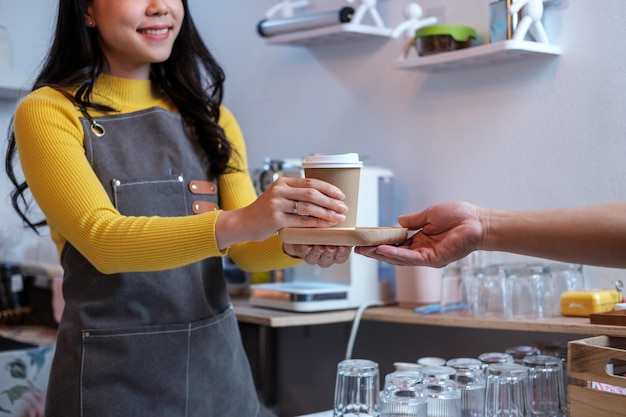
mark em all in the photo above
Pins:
pixel 585 302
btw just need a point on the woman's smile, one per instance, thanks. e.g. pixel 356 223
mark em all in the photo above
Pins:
pixel 156 32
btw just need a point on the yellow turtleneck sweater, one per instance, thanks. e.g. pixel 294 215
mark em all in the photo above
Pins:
pixel 50 145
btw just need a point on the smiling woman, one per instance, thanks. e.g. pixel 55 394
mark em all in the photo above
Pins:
pixel 142 176
pixel 135 34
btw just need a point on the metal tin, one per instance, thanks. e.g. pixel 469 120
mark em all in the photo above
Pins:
pixel 585 302
pixel 273 27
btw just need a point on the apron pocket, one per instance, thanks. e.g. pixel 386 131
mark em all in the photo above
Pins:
pixel 164 197
pixel 167 371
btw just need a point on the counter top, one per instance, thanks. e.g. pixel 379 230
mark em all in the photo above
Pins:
pixel 247 313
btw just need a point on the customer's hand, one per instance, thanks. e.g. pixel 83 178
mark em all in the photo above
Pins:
pixel 445 233
pixel 324 256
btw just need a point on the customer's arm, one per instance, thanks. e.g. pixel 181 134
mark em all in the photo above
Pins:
pixel 593 235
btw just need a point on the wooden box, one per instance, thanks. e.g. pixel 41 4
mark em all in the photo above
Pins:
pixel 587 361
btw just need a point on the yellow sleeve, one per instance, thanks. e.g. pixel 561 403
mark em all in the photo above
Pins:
pixel 236 191
pixel 49 139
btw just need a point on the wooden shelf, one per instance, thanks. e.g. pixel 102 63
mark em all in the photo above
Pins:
pixel 13 84
pixel 331 34
pixel 394 314
pixel 561 324
pixel 505 51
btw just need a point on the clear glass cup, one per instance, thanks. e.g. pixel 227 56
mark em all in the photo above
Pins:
pixel 519 353
pixel 488 358
pixel 547 389
pixel 444 397
pixel 404 395
pixel 558 350
pixel 437 371
pixel 431 361
pixel 470 380
pixel 507 390
pixel 487 291
pixel 407 366
pixel 357 389
pixel 454 289
pixel 567 277
pixel 530 292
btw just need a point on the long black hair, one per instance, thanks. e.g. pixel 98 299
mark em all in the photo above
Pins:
pixel 191 78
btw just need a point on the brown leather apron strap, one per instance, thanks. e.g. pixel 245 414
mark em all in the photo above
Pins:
pixel 202 187
pixel 199 207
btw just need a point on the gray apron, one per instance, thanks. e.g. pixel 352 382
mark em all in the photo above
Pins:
pixel 154 344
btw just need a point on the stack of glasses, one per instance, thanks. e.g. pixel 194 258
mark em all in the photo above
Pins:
pixel 511 291
pixel 495 386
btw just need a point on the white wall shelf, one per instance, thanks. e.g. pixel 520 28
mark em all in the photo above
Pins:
pixel 504 51
pixel 331 34
pixel 13 84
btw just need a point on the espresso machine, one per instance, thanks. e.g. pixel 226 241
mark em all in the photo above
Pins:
pixel 361 280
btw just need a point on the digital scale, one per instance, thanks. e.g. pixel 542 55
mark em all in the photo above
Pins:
pixel 301 296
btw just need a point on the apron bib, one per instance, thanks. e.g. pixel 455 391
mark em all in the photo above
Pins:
pixel 154 344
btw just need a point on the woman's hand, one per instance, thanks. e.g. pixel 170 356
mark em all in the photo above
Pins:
pixel 324 256
pixel 446 232
pixel 288 202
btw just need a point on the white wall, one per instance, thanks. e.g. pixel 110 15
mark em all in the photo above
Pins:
pixel 516 136
pixel 522 135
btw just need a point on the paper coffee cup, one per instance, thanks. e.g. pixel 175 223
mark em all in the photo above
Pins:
pixel 344 172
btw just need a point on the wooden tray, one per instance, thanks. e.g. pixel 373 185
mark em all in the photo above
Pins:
pixel 587 361
pixel 361 236
pixel 614 318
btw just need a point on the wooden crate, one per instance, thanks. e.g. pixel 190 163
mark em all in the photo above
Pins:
pixel 587 360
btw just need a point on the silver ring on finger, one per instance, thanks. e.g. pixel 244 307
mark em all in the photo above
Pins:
pixel 294 208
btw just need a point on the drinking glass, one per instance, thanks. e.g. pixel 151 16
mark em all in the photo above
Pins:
pixel 486 291
pixel 519 353
pixel 357 389
pixel 453 289
pixel 559 351
pixel 488 358
pixel 444 398
pixel 470 380
pixel 437 372
pixel 567 277
pixel 404 395
pixel 431 361
pixel 530 292
pixel 507 390
pixel 547 389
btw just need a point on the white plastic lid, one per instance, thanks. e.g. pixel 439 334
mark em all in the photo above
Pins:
pixel 346 160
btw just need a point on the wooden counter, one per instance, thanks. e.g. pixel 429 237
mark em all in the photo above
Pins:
pixel 394 314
